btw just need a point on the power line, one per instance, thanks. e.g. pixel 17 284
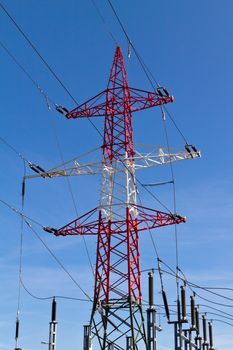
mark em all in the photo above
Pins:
pixel 150 76
pixel 32 45
pixel 17 211
pixel 72 195
pixel 57 260
pixel 33 81
pixel 36 51
pixel 100 134
pixel 50 297
pixel 26 218
pixel 131 44
pixel 104 22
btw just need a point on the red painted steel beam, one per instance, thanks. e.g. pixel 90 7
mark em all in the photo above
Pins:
pixel 146 219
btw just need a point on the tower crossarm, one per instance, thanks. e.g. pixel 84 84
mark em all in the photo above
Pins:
pixel 106 102
pixel 146 219
pixel 149 218
pixel 157 157
pixel 162 156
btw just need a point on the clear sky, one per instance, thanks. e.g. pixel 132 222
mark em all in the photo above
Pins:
pixel 188 47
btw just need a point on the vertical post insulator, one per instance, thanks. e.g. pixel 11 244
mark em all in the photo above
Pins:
pixel 178 309
pixel 151 288
pixel 54 310
pixel 211 336
pixel 197 318
pixel 193 318
pixel 204 329
pixel 183 302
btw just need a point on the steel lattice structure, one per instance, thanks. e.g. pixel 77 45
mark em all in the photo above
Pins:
pixel 117 309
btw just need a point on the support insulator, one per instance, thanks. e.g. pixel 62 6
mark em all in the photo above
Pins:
pixel 87 339
pixel 54 310
pixel 211 336
pixel 183 302
pixel 197 318
pixel 204 329
pixel 178 309
pixel 193 318
pixel 110 346
pixel 151 288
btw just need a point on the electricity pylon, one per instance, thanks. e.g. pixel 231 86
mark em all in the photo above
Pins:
pixel 117 317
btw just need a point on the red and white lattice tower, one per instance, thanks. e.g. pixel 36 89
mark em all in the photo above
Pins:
pixel 117 301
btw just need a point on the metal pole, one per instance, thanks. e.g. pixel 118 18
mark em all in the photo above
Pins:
pixel 53 327
pixel 176 336
pixel 129 343
pixel 151 315
pixel 110 346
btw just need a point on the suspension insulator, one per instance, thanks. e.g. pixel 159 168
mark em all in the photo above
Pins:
pixel 194 149
pixel 50 230
pixel 188 149
pixel 166 92
pixel 159 93
pixel 183 302
pixel 59 109
pixel 166 305
pixel 34 168
pixel 65 109
pixel 40 169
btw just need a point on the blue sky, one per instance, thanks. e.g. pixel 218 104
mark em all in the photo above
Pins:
pixel 188 47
